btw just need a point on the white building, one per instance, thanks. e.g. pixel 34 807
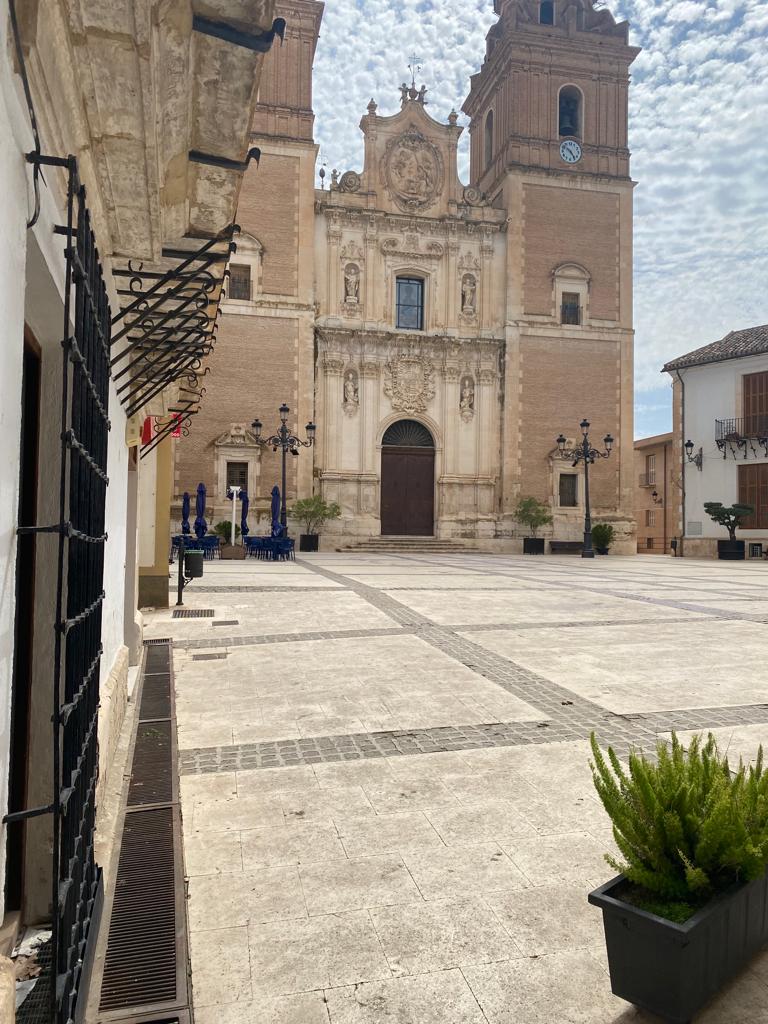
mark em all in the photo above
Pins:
pixel 124 134
pixel 721 406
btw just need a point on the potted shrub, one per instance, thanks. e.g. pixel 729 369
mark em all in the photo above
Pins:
pixel 690 906
pixel 223 531
pixel 313 513
pixel 602 537
pixel 731 517
pixel 533 513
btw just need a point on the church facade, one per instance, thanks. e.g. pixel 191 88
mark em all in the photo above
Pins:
pixel 440 335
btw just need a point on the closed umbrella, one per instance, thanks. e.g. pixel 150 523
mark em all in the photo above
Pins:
pixel 185 507
pixel 244 514
pixel 277 530
pixel 201 527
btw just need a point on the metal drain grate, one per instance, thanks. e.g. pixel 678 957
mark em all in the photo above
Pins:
pixel 209 657
pixel 36 1008
pixel 152 775
pixel 156 697
pixel 158 642
pixel 142 960
pixel 157 659
pixel 226 622
pixel 193 613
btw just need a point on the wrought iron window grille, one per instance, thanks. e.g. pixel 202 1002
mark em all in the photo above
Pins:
pixel 83 481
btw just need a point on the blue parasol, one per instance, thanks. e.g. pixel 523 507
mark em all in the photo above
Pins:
pixel 201 527
pixel 277 530
pixel 185 507
pixel 244 514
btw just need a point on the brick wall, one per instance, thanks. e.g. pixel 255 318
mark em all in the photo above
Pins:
pixel 269 210
pixel 562 225
pixel 557 390
pixel 263 351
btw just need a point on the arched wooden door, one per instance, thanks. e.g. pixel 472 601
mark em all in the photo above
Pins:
pixel 408 481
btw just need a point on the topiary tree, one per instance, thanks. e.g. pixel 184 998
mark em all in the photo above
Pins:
pixel 729 516
pixel 686 827
pixel 602 535
pixel 223 530
pixel 533 513
pixel 313 512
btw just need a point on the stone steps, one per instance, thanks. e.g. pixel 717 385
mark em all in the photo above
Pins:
pixel 406 545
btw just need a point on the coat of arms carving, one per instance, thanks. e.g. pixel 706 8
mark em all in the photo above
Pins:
pixel 410 384
pixel 413 171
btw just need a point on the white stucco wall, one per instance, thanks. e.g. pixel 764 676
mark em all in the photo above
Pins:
pixel 714 392
pixel 13 205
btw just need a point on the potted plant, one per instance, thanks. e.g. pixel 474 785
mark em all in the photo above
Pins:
pixel 313 513
pixel 688 910
pixel 533 513
pixel 602 537
pixel 731 517
pixel 223 531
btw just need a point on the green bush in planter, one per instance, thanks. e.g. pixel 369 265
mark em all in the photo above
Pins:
pixel 313 513
pixel 729 516
pixel 223 530
pixel 686 827
pixel 602 535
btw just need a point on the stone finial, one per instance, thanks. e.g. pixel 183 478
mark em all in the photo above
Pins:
pixel 453 118
pixel 372 108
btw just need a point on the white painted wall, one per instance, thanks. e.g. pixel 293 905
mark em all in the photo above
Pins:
pixel 147 508
pixel 714 392
pixel 32 274
pixel 13 206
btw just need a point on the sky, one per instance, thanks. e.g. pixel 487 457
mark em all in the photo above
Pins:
pixel 698 136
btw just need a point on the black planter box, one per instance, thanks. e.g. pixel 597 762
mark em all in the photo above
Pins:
pixel 533 545
pixel 671 969
pixel 309 541
pixel 731 550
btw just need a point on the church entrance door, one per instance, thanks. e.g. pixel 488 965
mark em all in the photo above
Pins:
pixel 408 481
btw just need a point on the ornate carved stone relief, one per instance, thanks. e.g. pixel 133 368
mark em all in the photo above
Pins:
pixel 412 170
pixel 238 436
pixel 410 382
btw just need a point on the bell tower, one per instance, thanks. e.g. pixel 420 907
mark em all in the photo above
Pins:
pixel 549 145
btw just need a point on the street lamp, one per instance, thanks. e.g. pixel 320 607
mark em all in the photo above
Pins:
pixel 698 458
pixel 585 453
pixel 287 442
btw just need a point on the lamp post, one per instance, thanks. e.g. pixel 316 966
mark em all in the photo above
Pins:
pixel 585 453
pixel 287 442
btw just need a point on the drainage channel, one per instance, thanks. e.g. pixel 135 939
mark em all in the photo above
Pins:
pixel 146 976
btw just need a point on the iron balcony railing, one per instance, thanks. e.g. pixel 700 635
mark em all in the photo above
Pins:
pixel 570 313
pixel 647 480
pixel 743 436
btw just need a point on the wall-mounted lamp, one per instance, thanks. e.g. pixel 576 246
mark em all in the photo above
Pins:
pixel 657 498
pixel 698 458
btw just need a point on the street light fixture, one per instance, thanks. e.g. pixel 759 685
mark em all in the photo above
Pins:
pixel 287 442
pixel 585 453
pixel 698 458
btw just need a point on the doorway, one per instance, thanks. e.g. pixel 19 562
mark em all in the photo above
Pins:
pixel 408 481
pixel 21 685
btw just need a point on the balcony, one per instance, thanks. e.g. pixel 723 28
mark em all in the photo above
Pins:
pixel 647 480
pixel 743 436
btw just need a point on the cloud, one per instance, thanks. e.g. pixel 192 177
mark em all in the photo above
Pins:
pixel 699 111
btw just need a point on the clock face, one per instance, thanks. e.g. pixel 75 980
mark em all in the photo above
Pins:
pixel 570 151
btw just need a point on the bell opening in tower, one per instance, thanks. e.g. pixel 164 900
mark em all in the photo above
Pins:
pixel 570 111
pixel 547 13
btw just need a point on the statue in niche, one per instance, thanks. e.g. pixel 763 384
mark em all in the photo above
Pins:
pixel 352 284
pixel 468 294
pixel 467 400
pixel 351 393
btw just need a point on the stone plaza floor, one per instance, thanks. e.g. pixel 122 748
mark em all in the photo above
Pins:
pixel 387 804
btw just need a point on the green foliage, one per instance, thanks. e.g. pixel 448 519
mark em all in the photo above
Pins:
pixel 533 513
pixel 686 827
pixel 223 530
pixel 729 516
pixel 313 512
pixel 602 535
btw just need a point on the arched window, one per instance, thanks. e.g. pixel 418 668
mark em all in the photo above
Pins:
pixel 488 139
pixel 547 13
pixel 570 113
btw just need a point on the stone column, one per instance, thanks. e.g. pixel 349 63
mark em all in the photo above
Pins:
pixel 486 415
pixel 333 369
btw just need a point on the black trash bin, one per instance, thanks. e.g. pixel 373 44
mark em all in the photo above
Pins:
pixel 193 564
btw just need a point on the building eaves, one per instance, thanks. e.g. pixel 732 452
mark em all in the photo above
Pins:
pixel 736 345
